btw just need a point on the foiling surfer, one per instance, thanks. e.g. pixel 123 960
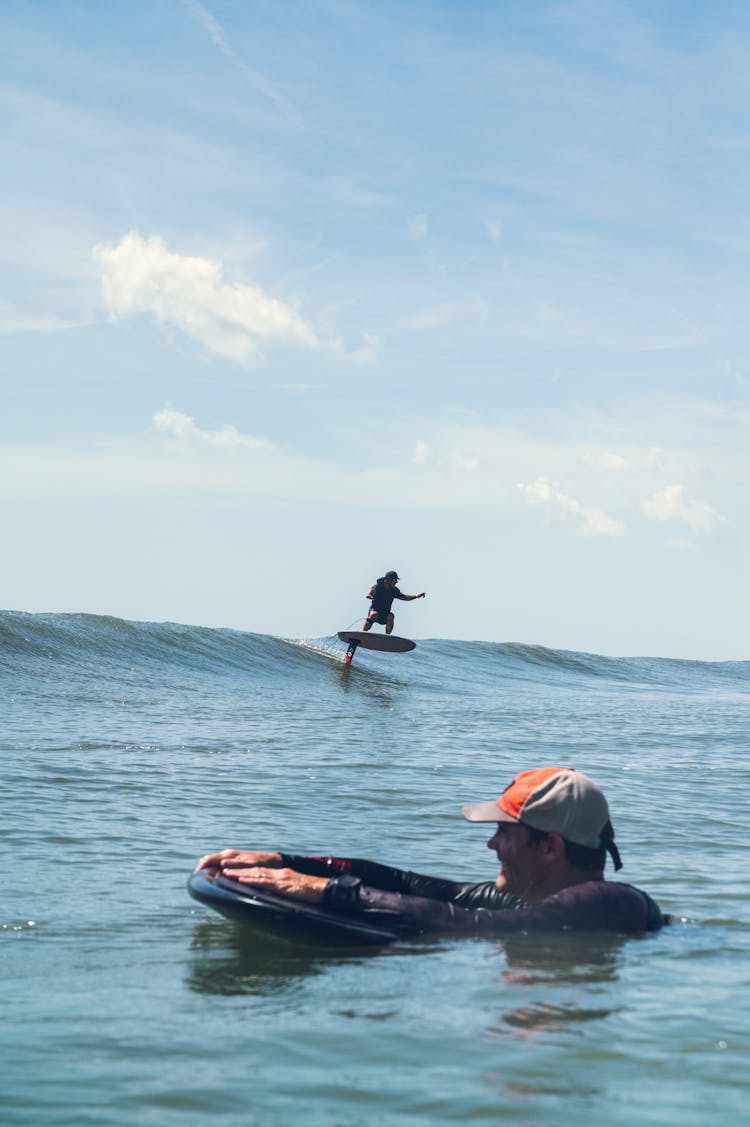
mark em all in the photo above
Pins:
pixel 381 596
pixel 382 593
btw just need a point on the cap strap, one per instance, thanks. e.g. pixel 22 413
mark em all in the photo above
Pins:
pixel 614 853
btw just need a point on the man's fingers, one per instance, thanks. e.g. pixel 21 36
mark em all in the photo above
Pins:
pixel 210 861
pixel 247 875
pixel 236 858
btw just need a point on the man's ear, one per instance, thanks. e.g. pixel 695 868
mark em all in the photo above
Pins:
pixel 554 847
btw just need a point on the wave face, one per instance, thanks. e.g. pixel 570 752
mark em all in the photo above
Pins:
pixel 46 642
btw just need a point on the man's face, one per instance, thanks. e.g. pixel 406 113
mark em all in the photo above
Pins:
pixel 391 581
pixel 521 865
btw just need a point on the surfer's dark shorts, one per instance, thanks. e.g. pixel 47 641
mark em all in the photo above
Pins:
pixel 381 617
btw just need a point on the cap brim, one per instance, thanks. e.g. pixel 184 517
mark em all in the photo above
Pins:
pixel 486 812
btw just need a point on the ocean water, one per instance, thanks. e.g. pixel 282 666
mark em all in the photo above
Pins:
pixel 130 749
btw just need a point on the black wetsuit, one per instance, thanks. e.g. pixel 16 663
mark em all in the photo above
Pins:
pixel 411 903
pixel 382 600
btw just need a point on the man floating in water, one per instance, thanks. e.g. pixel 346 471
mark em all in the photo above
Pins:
pixel 382 593
pixel 551 833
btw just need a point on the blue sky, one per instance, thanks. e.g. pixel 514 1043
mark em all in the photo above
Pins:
pixel 295 293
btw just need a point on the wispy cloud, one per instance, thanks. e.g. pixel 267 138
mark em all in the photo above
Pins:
pixel 670 504
pixel 368 350
pixel 471 310
pixel 216 32
pixel 231 319
pixel 183 429
pixel 21 324
pixel 494 230
pixel 593 521
pixel 423 455
pixel 563 325
pixel 608 462
pixel 654 458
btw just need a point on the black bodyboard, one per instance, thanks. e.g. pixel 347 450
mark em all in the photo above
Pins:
pixel 280 915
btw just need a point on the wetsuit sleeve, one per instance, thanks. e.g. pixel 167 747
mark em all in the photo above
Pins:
pixel 389 879
pixel 594 905
pixel 379 876
pixel 373 873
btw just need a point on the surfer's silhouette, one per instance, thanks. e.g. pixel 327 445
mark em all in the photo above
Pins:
pixel 382 593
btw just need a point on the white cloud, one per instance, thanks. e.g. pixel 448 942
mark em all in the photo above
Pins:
pixel 595 522
pixel 418 227
pixel 664 503
pixel 182 428
pixel 670 504
pixel 654 458
pixel 231 319
pixel 465 465
pixel 608 461
pixel 423 454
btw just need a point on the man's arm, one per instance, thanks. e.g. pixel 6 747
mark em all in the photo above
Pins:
pixel 244 867
pixel 593 906
pixel 405 913
pixel 388 878
pixel 410 598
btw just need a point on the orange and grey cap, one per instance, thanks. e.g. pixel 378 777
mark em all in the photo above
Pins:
pixel 554 800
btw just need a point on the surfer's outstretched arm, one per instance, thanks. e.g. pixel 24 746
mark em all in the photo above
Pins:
pixel 410 598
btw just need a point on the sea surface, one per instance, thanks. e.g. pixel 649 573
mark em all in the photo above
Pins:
pixel 130 749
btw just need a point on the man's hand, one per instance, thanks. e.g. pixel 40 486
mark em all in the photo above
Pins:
pixel 286 882
pixel 237 858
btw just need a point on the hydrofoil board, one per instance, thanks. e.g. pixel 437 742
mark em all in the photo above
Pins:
pixel 369 640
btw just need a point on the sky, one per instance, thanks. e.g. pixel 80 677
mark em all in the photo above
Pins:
pixel 295 293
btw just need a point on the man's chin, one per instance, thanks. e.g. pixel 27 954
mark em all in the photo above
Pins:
pixel 504 883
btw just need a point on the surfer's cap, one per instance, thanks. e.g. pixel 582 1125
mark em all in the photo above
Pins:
pixel 554 800
pixel 392 575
